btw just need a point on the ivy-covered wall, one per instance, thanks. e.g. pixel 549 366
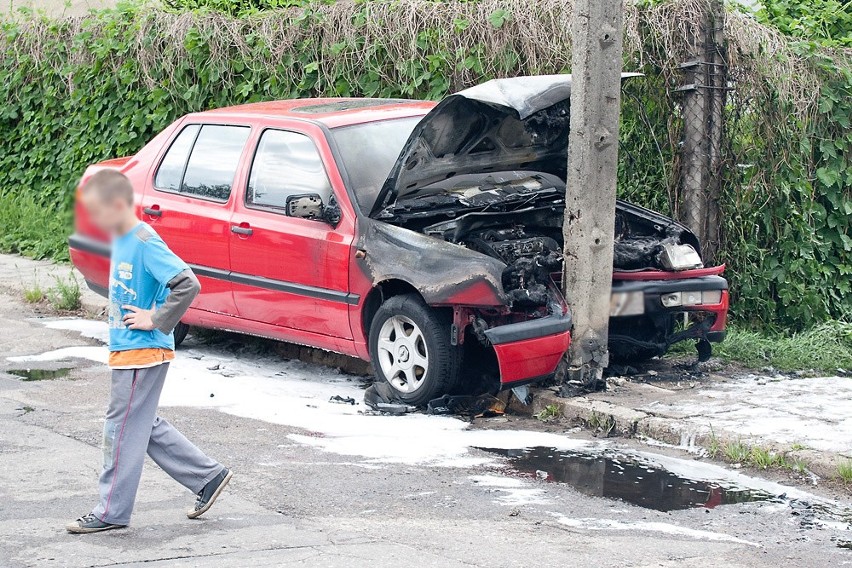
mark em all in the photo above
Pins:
pixel 80 90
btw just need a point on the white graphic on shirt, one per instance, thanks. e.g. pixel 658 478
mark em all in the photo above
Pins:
pixel 125 270
pixel 119 295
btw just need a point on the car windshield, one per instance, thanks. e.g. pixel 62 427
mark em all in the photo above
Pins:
pixel 368 152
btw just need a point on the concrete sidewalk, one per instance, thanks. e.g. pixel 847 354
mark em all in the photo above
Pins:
pixel 18 274
pixel 807 419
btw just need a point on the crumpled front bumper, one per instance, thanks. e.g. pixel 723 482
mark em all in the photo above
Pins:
pixel 530 350
pixel 658 326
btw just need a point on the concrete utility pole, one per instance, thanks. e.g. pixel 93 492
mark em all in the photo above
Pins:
pixel 596 40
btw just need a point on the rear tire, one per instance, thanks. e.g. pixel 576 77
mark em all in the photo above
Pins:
pixel 411 351
pixel 181 329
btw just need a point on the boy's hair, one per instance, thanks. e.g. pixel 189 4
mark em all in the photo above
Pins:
pixel 110 185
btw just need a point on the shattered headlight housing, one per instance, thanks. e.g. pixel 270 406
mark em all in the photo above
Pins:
pixel 627 304
pixel 680 257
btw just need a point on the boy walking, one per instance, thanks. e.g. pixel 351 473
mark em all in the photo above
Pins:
pixel 150 289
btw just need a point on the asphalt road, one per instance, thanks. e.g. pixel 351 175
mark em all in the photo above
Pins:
pixel 307 492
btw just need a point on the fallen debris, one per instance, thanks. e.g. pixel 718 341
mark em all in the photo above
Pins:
pixel 522 393
pixel 482 406
pixel 337 399
pixel 381 397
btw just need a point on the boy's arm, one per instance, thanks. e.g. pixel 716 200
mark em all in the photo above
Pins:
pixel 184 288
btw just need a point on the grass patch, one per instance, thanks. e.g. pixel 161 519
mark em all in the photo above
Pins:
pixel 601 422
pixel 65 294
pixel 736 452
pixel 758 457
pixel 33 294
pixel 34 229
pixel 549 412
pixel 762 458
pixel 844 471
pixel 825 347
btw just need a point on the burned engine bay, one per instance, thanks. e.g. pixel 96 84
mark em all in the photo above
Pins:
pixel 516 217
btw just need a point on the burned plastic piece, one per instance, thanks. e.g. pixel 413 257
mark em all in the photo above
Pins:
pixel 337 399
pixel 448 404
pixel 482 406
pixel 381 398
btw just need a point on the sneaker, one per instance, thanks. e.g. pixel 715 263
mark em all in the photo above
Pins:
pixel 208 495
pixel 90 524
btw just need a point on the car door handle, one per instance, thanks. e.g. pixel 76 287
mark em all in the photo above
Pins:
pixel 241 230
pixel 153 211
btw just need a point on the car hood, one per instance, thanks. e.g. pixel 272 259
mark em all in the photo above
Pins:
pixel 500 125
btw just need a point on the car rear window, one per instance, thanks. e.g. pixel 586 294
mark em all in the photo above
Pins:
pixel 368 152
pixel 170 173
pixel 214 160
pixel 213 152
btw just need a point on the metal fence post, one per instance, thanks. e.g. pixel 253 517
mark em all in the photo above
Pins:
pixel 704 89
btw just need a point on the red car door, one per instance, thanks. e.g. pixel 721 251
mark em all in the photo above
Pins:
pixel 288 271
pixel 189 203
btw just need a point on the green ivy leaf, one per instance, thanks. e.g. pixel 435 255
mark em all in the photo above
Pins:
pixel 498 18
pixel 827 176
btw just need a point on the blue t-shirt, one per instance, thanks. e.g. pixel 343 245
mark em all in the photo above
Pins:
pixel 141 266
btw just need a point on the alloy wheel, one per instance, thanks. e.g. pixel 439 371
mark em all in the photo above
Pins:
pixel 402 352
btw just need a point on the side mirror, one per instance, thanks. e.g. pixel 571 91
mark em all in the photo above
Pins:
pixel 305 206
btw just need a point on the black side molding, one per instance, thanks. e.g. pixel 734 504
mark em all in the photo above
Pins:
pixel 88 244
pixel 97 289
pixel 100 248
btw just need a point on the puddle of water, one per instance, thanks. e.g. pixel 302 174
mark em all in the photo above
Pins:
pixel 627 479
pixel 40 374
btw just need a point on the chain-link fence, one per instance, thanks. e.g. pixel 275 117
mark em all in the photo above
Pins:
pixel 703 93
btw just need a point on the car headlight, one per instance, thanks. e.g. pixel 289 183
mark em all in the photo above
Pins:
pixel 680 257
pixel 627 304
pixel 695 298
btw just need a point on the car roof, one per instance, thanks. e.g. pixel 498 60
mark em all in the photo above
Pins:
pixel 332 112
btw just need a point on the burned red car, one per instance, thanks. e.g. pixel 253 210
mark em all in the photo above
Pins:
pixel 424 238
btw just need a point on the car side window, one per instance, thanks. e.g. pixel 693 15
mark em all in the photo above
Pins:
pixel 203 161
pixel 170 172
pixel 286 164
pixel 213 162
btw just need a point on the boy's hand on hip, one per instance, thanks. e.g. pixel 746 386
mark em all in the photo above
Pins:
pixel 139 318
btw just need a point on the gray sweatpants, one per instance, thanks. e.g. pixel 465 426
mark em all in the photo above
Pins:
pixel 133 428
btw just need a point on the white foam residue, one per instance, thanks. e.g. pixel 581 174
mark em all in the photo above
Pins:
pixel 297 394
pixel 511 491
pixel 87 328
pixel 780 409
pixel 649 526
pixel 95 353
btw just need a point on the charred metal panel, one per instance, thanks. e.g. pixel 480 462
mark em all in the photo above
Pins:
pixel 439 270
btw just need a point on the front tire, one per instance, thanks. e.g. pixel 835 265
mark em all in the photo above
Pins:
pixel 411 350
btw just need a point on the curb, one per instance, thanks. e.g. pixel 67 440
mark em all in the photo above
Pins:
pixel 623 421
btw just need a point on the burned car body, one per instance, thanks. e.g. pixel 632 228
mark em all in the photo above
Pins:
pixel 424 238
pixel 485 170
